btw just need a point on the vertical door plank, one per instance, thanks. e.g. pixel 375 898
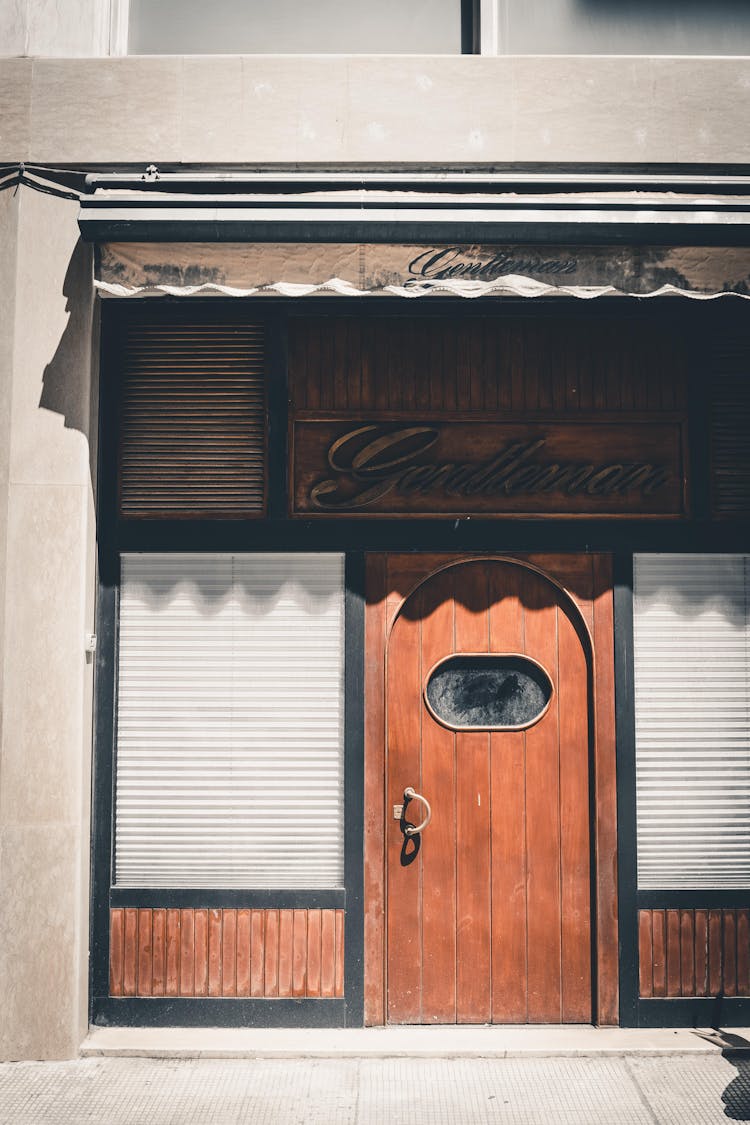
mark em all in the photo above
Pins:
pixel 327 953
pixel 130 956
pixel 271 951
pixel 438 848
pixel 338 975
pixel 543 816
pixel 200 926
pixel 645 955
pixel 573 718
pixel 673 953
pixel 187 953
pixel 404 930
pixel 214 953
pixel 508 818
pixel 687 953
pixel 159 947
pixel 257 953
pixel 730 952
pixel 299 952
pixel 243 952
pixel 116 950
pixel 715 974
pixel 313 952
pixel 172 986
pixel 659 929
pixel 145 966
pixel 743 952
pixel 375 781
pixel 701 952
pixel 473 863
pixel 229 953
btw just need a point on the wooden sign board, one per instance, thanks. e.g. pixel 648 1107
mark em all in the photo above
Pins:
pixel 489 467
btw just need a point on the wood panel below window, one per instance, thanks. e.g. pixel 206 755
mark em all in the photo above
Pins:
pixel 694 953
pixel 243 953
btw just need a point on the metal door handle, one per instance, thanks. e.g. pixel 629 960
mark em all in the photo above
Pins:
pixel 412 795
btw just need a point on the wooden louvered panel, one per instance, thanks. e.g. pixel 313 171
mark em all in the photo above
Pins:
pixel 192 421
pixel 730 426
pixel 697 952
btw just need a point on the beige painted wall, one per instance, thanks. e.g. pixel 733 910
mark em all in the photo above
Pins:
pixel 274 109
pixel 46 683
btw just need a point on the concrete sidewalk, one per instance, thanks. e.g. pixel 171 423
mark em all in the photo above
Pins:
pixel 698 1088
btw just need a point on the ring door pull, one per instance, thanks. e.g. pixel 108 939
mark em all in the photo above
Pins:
pixel 412 795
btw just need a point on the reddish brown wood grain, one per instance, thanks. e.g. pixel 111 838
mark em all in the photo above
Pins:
pixel 257 953
pixel 659 958
pixel 687 953
pixel 327 953
pixel 286 922
pixel 172 984
pixel 130 957
pixel 228 952
pixel 299 953
pixel 214 952
pixel 159 939
pixel 200 928
pixel 701 952
pixel 313 953
pixel 187 953
pixel 715 954
pixel 729 936
pixel 645 954
pixel 244 951
pixel 673 953
pixel 707 952
pixel 338 974
pixel 116 951
pixel 145 965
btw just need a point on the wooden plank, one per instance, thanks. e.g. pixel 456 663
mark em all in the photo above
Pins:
pixel 214 952
pixel 715 954
pixel 313 953
pixel 145 966
pixel 659 929
pixel 575 877
pixel 257 953
pixel 473 807
pixel 701 952
pixel 508 818
pixel 404 916
pixel 243 952
pixel 130 954
pixel 116 950
pixel 299 953
pixel 327 952
pixel 729 936
pixel 200 926
pixel 543 816
pixel 172 984
pixel 159 947
pixel 374 797
pixel 271 951
pixel 187 953
pixel 673 953
pixel 743 952
pixel 687 953
pixel 438 852
pixel 229 953
pixel 645 955
pixel 338 976
pixel 286 935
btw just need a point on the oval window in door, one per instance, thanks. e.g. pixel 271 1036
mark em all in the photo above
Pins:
pixel 488 691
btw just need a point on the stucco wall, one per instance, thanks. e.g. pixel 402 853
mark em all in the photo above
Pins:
pixel 273 109
pixel 46 689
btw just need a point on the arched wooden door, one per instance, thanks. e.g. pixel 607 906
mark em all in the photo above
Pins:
pixel 489 910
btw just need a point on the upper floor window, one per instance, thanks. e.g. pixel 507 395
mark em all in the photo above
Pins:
pixel 231 27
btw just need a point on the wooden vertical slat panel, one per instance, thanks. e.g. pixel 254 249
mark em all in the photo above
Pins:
pixel 214 953
pixel 543 818
pixel 701 952
pixel 297 364
pixel 687 953
pixel 338 976
pixel 673 953
pixel 477 364
pixel 729 942
pixel 200 927
pixel 508 829
pixel 116 950
pixel 645 955
pixel 243 952
pixel 327 369
pixel 438 852
pixel 187 953
pixel 229 953
pixel 257 953
pixel 313 952
pixel 404 933
pixel 159 947
pixel 328 953
pixel 172 986
pixel 342 371
pixel 473 796
pixel 715 956
pixel 374 785
pixel 659 929
pixel 299 953
pixel 145 964
pixel 743 952
pixel 271 954
pixel 130 957
pixel 286 934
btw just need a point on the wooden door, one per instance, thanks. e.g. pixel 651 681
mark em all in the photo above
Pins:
pixel 488 915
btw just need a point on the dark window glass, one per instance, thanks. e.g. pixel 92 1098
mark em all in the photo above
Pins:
pixel 493 692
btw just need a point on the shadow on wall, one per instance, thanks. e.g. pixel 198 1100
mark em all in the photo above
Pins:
pixel 66 382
